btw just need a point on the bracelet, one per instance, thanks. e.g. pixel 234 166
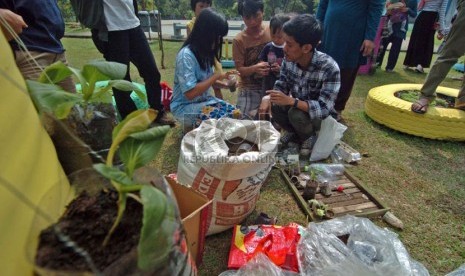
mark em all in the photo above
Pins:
pixel 296 102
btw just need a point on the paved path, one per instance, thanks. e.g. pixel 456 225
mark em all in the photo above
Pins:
pixel 168 31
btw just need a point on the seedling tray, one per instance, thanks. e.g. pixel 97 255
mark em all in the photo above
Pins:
pixel 356 199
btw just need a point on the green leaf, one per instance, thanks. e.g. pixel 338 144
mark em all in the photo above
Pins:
pixel 158 227
pixel 114 174
pixel 122 200
pixel 104 70
pixel 141 147
pixel 125 85
pixel 151 133
pixel 137 153
pixel 102 95
pixel 52 98
pixel 137 121
pixel 55 73
pixel 85 91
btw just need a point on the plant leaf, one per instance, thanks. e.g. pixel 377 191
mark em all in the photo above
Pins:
pixel 158 227
pixel 136 153
pixel 85 90
pixel 55 73
pixel 151 133
pixel 125 85
pixel 52 98
pixel 136 121
pixel 102 95
pixel 114 174
pixel 109 69
pixel 122 200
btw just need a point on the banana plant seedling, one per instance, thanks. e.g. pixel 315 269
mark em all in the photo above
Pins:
pixel 49 97
pixel 137 145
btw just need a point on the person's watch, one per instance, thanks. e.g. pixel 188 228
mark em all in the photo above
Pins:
pixel 296 101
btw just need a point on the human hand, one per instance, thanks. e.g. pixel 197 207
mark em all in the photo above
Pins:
pixel 367 47
pixel 279 98
pixel 226 80
pixel 439 36
pixel 265 105
pixel 262 68
pixel 275 67
pixel 14 20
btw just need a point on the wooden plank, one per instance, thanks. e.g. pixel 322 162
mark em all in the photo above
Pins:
pixel 336 197
pixel 296 193
pixel 366 190
pixel 341 181
pixel 353 201
pixel 345 209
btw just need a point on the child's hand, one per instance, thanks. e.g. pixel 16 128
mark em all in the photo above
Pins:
pixel 275 67
pixel 262 68
pixel 265 106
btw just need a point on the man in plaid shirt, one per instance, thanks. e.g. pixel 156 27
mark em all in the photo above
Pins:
pixel 308 84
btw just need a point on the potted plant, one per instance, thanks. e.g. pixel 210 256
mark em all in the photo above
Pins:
pixel 311 184
pixel 137 202
pixel 80 124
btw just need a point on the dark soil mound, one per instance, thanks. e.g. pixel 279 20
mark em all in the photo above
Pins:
pixel 86 222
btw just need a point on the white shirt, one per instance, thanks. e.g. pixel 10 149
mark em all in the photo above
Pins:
pixel 120 15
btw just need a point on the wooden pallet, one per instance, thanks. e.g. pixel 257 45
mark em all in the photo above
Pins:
pixel 356 199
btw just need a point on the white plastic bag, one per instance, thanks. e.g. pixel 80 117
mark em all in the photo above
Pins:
pixel 330 134
pixel 370 250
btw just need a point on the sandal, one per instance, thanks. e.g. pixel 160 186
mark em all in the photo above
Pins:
pixel 420 106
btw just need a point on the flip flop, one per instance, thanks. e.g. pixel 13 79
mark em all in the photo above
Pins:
pixel 422 107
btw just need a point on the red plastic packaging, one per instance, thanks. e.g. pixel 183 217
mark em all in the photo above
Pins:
pixel 279 243
pixel 166 95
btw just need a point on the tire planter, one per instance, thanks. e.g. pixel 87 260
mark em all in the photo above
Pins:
pixel 437 123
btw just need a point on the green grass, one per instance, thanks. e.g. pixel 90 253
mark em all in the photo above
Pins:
pixel 421 180
pixel 414 95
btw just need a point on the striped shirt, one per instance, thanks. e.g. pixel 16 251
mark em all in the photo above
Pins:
pixel 318 85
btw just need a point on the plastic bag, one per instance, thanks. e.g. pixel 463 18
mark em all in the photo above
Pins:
pixel 277 242
pixel 458 272
pixel 328 172
pixel 370 250
pixel 330 134
pixel 72 246
pixel 259 265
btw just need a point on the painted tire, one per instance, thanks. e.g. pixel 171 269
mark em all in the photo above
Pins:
pixel 437 123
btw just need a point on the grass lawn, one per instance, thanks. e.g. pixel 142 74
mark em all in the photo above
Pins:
pixel 421 180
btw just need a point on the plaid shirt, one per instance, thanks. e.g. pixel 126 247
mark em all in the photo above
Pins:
pixel 318 85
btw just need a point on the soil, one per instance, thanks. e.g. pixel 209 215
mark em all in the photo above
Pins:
pixel 85 128
pixel 413 95
pixel 87 221
pixel 237 146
